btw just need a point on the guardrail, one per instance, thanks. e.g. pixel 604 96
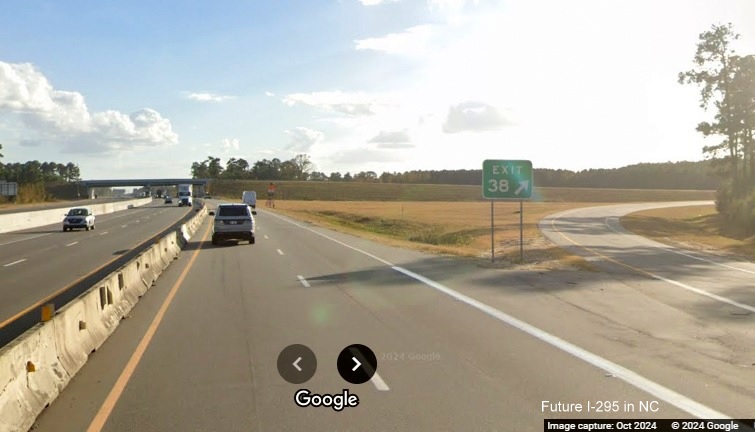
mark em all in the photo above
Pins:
pixel 36 366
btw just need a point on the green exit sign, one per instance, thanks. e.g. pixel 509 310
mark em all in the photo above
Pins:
pixel 507 179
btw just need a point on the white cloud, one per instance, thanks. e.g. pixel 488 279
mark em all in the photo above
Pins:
pixel 303 139
pixel 269 93
pixel 411 41
pixel 61 117
pixel 363 156
pixel 230 144
pixel 474 116
pixel 395 146
pixel 376 2
pixel 206 97
pixel 354 104
pixel 450 4
pixel 391 137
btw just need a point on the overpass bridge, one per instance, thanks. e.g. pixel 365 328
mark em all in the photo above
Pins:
pixel 148 184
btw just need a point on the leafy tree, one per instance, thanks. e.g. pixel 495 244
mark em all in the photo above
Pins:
pixel 304 166
pixel 214 169
pixel 366 176
pixel 317 176
pixel 727 83
pixel 72 172
pixel 714 73
pixel 199 170
pixel 335 176
pixel 236 169
pixel 267 169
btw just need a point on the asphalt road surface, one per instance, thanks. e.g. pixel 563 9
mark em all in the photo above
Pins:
pixel 39 262
pixel 458 347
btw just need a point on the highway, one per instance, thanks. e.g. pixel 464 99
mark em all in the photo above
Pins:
pixel 38 262
pixel 12 208
pixel 458 347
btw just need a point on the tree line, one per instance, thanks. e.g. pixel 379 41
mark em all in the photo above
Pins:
pixel 727 88
pixel 31 172
pixel 669 175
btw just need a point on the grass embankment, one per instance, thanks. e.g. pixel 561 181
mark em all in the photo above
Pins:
pixel 28 194
pixel 460 228
pixel 696 227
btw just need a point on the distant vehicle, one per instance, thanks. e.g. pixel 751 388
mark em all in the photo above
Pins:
pixel 168 199
pixel 207 196
pixel 249 198
pixel 233 222
pixel 184 195
pixel 78 218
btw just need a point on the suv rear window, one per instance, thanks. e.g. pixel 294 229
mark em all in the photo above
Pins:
pixel 233 211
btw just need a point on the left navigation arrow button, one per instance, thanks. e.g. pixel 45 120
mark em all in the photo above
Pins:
pixel 303 361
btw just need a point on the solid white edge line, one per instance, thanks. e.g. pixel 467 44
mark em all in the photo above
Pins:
pixel 15 262
pixel 280 252
pixel 378 382
pixel 682 285
pixel 71 244
pixel 333 240
pixel 303 281
pixel 680 401
pixel 666 248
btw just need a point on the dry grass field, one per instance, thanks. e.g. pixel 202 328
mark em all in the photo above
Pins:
pixel 457 228
pixel 445 219
pixel 696 227
pixel 355 191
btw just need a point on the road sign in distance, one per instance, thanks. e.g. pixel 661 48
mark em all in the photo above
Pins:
pixel 507 179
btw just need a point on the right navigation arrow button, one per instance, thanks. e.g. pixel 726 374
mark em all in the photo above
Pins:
pixel 357 364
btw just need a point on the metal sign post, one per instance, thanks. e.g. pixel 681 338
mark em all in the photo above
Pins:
pixel 507 180
pixel 492 233
pixel 521 230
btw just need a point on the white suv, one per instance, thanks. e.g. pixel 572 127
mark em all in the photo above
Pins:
pixel 233 222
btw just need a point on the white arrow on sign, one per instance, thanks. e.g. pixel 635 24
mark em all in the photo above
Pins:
pixel 296 364
pixel 524 185
pixel 357 362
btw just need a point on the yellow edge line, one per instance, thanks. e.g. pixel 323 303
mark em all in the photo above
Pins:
pixel 67 287
pixel 98 422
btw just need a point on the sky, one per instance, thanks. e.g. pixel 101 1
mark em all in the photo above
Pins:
pixel 143 88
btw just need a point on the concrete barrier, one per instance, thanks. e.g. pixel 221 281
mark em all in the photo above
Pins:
pixel 36 367
pixel 19 221
pixel 31 377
